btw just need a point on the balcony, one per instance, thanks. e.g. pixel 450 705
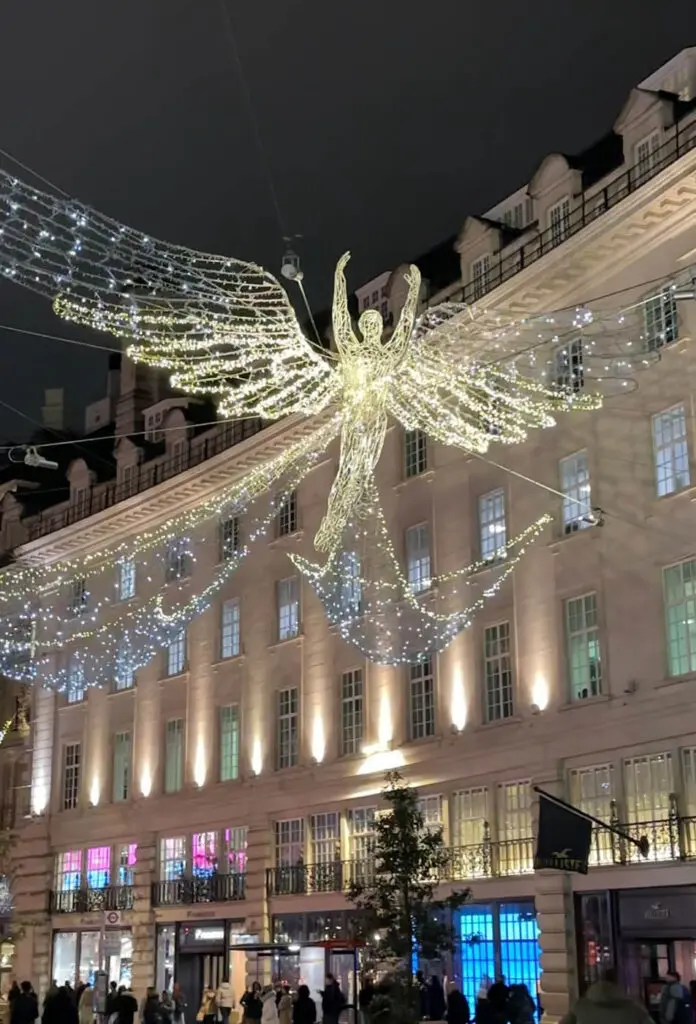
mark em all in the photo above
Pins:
pixel 216 889
pixel 485 860
pixel 83 901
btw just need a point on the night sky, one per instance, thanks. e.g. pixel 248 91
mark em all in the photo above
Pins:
pixel 384 123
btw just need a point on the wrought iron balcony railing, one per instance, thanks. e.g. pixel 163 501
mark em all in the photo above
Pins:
pixel 215 889
pixel 83 901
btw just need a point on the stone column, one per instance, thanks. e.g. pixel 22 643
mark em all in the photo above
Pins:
pixel 31 871
pixel 143 918
pixel 259 857
pixel 553 899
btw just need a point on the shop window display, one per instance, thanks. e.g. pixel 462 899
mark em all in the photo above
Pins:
pixel 76 956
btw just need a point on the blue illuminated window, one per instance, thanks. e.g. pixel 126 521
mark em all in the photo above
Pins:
pixel 477 935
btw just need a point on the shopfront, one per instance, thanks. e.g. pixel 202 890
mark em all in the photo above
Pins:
pixel 197 954
pixel 75 955
pixel 643 932
pixel 498 938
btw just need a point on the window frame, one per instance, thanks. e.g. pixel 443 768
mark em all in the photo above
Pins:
pixel 422 707
pixel 178 650
pixel 287 747
pixel 419 567
pixel 677 446
pixel 352 711
pixel 479 276
pixel 127 571
pixel 492 500
pixel 587 634
pixel 572 491
pixel 415 453
pixel 123 764
pixel 687 650
pixel 230 631
pixel 231 712
pixel 498 668
pixel 559 226
pixel 289 607
pixel 176 734
pixel 71 776
pixel 287 519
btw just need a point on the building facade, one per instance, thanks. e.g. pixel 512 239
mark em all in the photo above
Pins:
pixel 227 793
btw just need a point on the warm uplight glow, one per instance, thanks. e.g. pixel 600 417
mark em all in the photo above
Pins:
pixel 256 757
pixel 318 737
pixel 94 792
pixel 146 782
pixel 39 799
pixel 381 761
pixel 199 768
pixel 386 729
pixel 458 699
pixel 540 692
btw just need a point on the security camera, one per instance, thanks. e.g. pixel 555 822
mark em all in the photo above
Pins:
pixel 33 458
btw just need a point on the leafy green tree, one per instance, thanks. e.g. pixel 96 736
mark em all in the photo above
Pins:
pixel 397 898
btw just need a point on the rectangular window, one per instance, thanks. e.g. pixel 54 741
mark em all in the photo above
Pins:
pixel 98 867
pixel 680 611
pixel 361 825
pixel 289 842
pixel 68 871
pixel 236 850
pixel 172 858
pixel 569 370
pixel 229 537
pixel 204 859
pixel 492 526
pixel 287 515
pixel 176 561
pixel 352 711
pixel 349 587
pixel 287 728
pixel 178 459
pixel 469 816
pixel 229 743
pixel 72 770
pixel 592 791
pixel 497 656
pixel 176 655
pixel 647 157
pixel 431 809
pixel 78 597
pixel 415 453
pixel 127 481
pixel 174 756
pixel 515 828
pixel 325 837
pixel 418 557
pixel 127 857
pixel 559 221
pixel 229 629
pixel 480 274
pixel 124 675
pixel 648 782
pixel 75 691
pixel 126 579
pixel 661 319
pixel 575 484
pixel 583 648
pixel 288 594
pixel 421 699
pixel 122 766
pixel 670 451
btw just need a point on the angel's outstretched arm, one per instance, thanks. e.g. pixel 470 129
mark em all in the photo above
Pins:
pixel 340 316
pixel 398 343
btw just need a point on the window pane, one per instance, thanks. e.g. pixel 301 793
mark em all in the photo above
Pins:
pixel 122 766
pixel 415 453
pixel 492 525
pixel 680 610
pixel 582 641
pixel 418 557
pixel 288 608
pixel 98 867
pixel 230 629
pixel 670 451
pixel 229 743
pixel 174 756
pixel 498 672
pixel 575 484
pixel 421 699
pixel 287 728
pixel 72 766
pixel 351 711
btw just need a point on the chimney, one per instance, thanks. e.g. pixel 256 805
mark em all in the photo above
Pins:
pixel 52 413
pixel 113 382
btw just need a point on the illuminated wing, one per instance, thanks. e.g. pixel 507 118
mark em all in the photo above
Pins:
pixel 469 405
pixel 221 326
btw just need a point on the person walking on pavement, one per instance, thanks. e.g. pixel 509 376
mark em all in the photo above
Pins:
pixel 457 1006
pixel 606 1003
pixel 60 1009
pixel 332 1001
pixel 304 1009
pixel 675 1004
pixel 269 1008
pixel 24 1008
pixel 225 1000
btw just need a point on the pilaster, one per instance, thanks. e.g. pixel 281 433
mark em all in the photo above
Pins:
pixel 257 910
pixel 142 918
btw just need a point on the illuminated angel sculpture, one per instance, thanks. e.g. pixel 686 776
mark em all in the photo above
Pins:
pixel 227 328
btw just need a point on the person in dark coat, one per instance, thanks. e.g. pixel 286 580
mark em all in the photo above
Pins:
pixel 436 998
pixel 457 1006
pixel 126 1006
pixel 498 1000
pixel 13 993
pixel 365 997
pixel 304 1010
pixel 423 995
pixel 24 1008
pixel 521 1008
pixel 251 1003
pixel 60 1009
pixel 332 1001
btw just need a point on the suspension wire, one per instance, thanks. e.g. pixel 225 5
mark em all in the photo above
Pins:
pixel 30 170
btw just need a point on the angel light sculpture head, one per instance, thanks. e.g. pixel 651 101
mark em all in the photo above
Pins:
pixel 371 327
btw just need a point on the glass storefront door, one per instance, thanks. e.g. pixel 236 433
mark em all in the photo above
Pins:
pixel 76 956
pixel 499 939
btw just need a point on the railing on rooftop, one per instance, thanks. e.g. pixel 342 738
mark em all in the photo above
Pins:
pixel 591 204
pixel 149 474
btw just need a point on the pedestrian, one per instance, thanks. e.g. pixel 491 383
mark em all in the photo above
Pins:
pixel 126 1006
pixel 606 1003
pixel 423 995
pixel 85 1006
pixel 225 1000
pixel 24 1008
pixel 675 1005
pixel 332 1000
pixel 436 998
pixel 60 1008
pixel 207 1011
pixel 179 1001
pixel 304 1009
pixel 365 997
pixel 285 1006
pixel 251 1004
pixel 521 1008
pixel 70 991
pixel 13 993
pixel 166 1007
pixel 269 1010
pixel 457 1007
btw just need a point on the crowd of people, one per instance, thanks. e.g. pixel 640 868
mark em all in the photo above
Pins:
pixel 605 1002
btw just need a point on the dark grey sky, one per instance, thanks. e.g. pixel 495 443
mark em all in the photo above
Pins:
pixel 384 122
